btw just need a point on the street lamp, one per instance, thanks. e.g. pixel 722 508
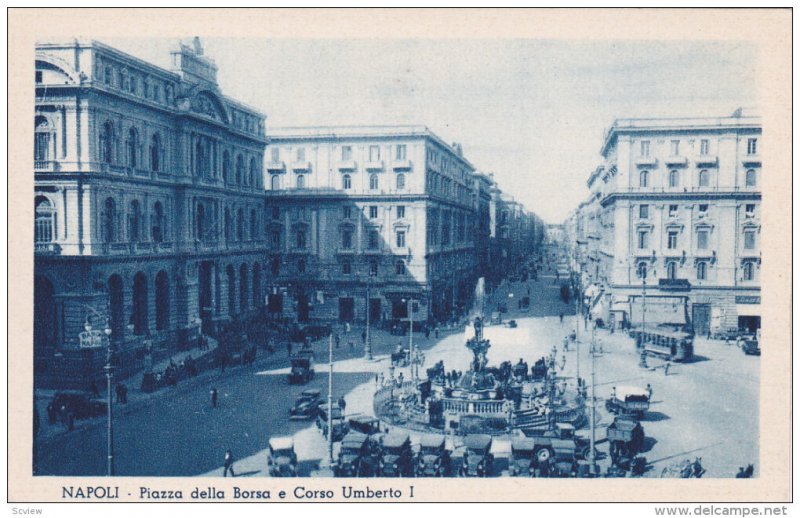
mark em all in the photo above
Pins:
pixel 409 310
pixel 330 399
pixel 367 340
pixel 109 370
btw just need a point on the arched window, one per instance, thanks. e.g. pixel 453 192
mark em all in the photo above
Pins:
pixel 132 147
pixel 673 178
pixel 644 178
pixel 239 169
pixel 641 269
pixel 116 306
pixel 155 152
pixel 347 182
pixel 110 221
pixel 240 225
pixel 226 166
pixel 157 232
pixel 275 182
pixel 275 266
pixel 140 310
pixel 400 267
pixel 252 173
pixel 750 178
pixel 347 239
pixel 227 228
pixel 107 143
pixel 373 267
pixel 301 181
pixel 243 298
pixel 134 222
pixel 300 238
pixel 253 225
pixel 373 181
pixel 43 140
pixel 401 181
pixel 231 290
pixel 672 270
pixel 702 267
pixel 704 179
pixel 162 301
pixel 347 268
pixel 200 224
pixel 44 220
pixel 257 300
pixel 747 271
pixel 301 266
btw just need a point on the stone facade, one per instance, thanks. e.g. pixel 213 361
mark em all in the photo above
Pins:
pixel 149 205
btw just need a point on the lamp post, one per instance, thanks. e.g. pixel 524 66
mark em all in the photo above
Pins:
pixel 592 417
pixel 330 400
pixel 644 304
pixel 367 340
pixel 109 370
pixel 577 321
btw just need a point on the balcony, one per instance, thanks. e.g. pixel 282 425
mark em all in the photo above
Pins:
pixel 646 161
pixel 45 166
pixel 346 165
pixel 402 165
pixel 276 167
pixel 706 160
pixel 374 165
pixel 47 249
pixel 301 167
pixel 677 160
pixel 752 161
pixel 345 250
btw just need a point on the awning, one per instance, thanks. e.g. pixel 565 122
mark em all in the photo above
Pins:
pixel 748 310
pixel 659 310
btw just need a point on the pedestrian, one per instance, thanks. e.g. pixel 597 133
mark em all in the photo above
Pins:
pixel 289 348
pixel 400 379
pixel 214 395
pixel 124 393
pixel 666 369
pixel 427 332
pixel 561 318
pixel 364 337
pixel 342 403
pixel 649 391
pixel 347 327
pixel 436 332
pixel 118 392
pixel 336 339
pixel 228 464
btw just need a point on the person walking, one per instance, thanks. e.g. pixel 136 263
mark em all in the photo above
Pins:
pixel 124 393
pixel 228 464
pixel 342 403
pixel 214 395
pixel 336 339
pixel 649 391
pixel 561 318
pixel 364 337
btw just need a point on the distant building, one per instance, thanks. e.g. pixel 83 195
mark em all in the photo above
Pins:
pixel 149 206
pixel 675 204
pixel 388 210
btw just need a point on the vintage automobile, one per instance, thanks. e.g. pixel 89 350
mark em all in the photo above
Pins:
pixel 367 425
pixel 433 459
pixel 558 453
pixel 749 345
pixel 315 332
pixel 397 459
pixel 478 460
pixel 496 318
pixel 340 425
pixel 79 404
pixel 306 406
pixel 511 324
pixel 302 369
pixel 281 458
pixel 356 456
pixel 632 401
pixel 625 440
pixel 400 357
pixel 523 459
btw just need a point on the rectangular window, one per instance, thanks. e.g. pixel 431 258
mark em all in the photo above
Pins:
pixel 673 211
pixel 346 212
pixel 749 239
pixel 373 239
pixel 276 238
pixel 347 153
pixel 752 146
pixel 301 154
pixel 346 268
pixel 750 210
pixel 704 147
pixel 38 76
pixel 703 208
pixel 347 239
pixel 276 213
pixel 702 239
pixel 675 147
pixel 644 211
pixel 672 240
pixel 276 155
pixel 401 152
pixel 642 239
pixel 373 211
pixel 374 153
pixel 41 147
pixel 401 211
pixel 644 148
pixel 401 239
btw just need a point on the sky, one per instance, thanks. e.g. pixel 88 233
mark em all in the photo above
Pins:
pixel 533 112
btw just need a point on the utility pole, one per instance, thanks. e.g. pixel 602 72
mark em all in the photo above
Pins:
pixel 330 400
pixel 592 417
pixel 367 343
pixel 411 337
pixel 577 320
pixel 109 369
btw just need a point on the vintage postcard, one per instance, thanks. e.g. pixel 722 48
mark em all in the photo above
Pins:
pixel 333 255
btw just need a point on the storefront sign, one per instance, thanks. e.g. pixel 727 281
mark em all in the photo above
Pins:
pixel 748 299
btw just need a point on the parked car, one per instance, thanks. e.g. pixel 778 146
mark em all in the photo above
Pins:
pixel 400 357
pixel 523 457
pixel 434 457
pixel 749 345
pixel 396 456
pixel 367 425
pixel 625 440
pixel 302 368
pixel 356 456
pixel 340 425
pixel 79 404
pixel 306 406
pixel 633 401
pixel 478 461
pixel 281 458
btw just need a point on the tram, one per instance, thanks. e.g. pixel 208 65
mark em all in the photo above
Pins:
pixel 668 342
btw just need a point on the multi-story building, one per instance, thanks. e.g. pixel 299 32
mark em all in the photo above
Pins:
pixel 385 214
pixel 674 218
pixel 149 206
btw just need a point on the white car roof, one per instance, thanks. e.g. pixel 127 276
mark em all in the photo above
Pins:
pixel 281 443
pixel 629 390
